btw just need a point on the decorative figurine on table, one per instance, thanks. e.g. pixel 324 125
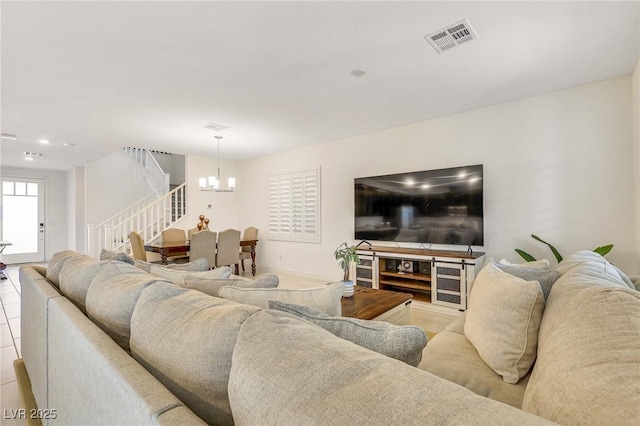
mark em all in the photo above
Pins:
pixel 203 224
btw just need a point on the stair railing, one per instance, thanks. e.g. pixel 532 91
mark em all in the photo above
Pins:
pixel 149 219
pixel 157 178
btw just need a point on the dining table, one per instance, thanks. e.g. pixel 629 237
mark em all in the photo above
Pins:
pixel 170 248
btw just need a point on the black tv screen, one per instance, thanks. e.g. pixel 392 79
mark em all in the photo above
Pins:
pixel 433 206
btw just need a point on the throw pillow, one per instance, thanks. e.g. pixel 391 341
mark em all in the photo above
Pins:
pixel 116 255
pixel 404 343
pixel 178 277
pixel 200 264
pixel 326 298
pixel 546 277
pixel 212 287
pixel 503 318
pixel 535 264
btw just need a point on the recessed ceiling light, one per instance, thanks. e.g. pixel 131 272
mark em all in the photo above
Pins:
pixel 68 145
pixel 358 72
pixel 9 136
pixel 44 141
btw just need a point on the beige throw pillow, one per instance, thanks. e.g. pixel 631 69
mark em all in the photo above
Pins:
pixel 401 342
pixel 212 287
pixel 502 322
pixel 180 277
pixel 325 298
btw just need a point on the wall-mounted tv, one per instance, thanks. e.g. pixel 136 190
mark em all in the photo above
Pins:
pixel 441 206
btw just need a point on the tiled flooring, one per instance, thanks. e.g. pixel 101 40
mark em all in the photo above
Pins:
pixel 9 346
pixel 10 398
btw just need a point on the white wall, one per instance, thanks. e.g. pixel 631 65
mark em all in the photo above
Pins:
pixel 636 154
pixel 558 165
pixel 76 228
pixel 55 205
pixel 112 184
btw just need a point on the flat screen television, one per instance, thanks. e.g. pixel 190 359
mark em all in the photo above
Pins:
pixel 442 206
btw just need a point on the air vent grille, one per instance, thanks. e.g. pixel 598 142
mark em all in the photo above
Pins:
pixel 215 126
pixel 451 36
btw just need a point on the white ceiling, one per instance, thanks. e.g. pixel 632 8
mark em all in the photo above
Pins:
pixel 103 75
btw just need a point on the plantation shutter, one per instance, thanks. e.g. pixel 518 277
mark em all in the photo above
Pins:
pixel 294 206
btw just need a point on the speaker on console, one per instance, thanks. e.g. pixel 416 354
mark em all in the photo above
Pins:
pixel 425 268
pixel 391 265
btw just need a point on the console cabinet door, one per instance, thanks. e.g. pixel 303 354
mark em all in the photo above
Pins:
pixel 450 285
pixel 367 272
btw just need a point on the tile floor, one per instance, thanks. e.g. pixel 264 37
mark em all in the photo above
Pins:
pixel 9 346
pixel 10 398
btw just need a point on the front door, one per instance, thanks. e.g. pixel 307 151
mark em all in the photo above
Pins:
pixel 22 217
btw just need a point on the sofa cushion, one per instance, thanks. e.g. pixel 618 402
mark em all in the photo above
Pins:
pixel 76 276
pixel 594 267
pixel 502 321
pixel 116 255
pixel 212 287
pixel 326 298
pixel 57 262
pixel 588 365
pixel 179 276
pixel 404 343
pixel 451 356
pixel 545 277
pixel 111 297
pixel 186 338
pixel 291 372
pixel 200 264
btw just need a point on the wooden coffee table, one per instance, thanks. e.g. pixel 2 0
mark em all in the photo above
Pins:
pixel 380 305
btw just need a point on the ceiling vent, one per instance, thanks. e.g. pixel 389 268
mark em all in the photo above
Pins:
pixel 451 36
pixel 215 126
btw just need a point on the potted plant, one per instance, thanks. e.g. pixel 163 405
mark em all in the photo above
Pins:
pixel 345 254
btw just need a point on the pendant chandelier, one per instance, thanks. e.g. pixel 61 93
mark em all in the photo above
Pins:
pixel 212 183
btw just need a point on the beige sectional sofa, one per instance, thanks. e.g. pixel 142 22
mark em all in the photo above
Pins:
pixel 130 347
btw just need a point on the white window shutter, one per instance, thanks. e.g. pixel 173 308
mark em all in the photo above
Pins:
pixel 294 206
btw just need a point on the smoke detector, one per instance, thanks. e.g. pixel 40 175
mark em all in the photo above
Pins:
pixel 451 36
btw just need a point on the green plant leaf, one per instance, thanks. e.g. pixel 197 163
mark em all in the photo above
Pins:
pixel 603 250
pixel 555 252
pixel 526 256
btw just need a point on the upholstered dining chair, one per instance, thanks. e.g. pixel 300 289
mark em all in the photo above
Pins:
pixel 203 244
pixel 191 231
pixel 137 246
pixel 227 252
pixel 175 235
pixel 250 233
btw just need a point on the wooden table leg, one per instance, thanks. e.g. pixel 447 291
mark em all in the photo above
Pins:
pixel 253 260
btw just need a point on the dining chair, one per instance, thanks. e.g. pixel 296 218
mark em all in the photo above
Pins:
pixel 250 233
pixel 191 231
pixel 203 244
pixel 227 252
pixel 175 235
pixel 137 246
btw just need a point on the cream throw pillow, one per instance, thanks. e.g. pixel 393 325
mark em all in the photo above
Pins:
pixel 325 298
pixel 180 277
pixel 502 322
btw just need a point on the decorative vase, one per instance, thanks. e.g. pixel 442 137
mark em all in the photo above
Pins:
pixel 348 289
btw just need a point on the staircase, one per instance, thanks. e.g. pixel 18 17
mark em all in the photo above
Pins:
pixel 149 216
